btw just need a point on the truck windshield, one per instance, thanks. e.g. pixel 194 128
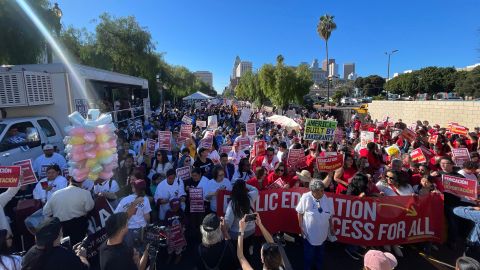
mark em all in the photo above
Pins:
pixel 2 127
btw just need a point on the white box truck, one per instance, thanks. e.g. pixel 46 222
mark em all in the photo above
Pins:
pixel 35 101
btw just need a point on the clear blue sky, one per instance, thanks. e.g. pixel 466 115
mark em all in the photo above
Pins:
pixel 208 34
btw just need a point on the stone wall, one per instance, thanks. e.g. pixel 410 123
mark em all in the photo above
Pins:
pixel 466 113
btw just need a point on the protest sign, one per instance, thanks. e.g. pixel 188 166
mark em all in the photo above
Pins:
pixel 28 174
pixel 409 135
pixel 150 149
pixel 186 120
pixel 202 124
pixel 396 132
pixel 186 131
pixel 279 183
pixel 9 176
pixel 196 200
pixel 331 163
pixel 225 149
pixel 259 148
pixel 457 129
pixel 338 135
pixel 433 139
pixel 251 129
pixel 461 187
pixel 428 154
pixel 366 137
pixel 296 159
pixel 176 238
pixel 183 173
pixel 96 226
pixel 165 139
pixel 393 150
pixel 357 221
pixel 320 130
pixel 245 115
pixel 207 140
pixel 212 122
pixel 243 142
pixel 418 156
pixel 460 155
pixel 66 173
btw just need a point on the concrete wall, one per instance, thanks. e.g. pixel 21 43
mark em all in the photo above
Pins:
pixel 465 113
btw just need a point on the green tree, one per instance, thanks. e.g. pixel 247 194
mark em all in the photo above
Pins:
pixel 324 29
pixel 470 86
pixel 339 94
pixel 371 85
pixel 303 83
pixel 20 41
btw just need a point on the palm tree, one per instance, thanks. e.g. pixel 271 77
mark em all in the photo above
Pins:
pixel 324 29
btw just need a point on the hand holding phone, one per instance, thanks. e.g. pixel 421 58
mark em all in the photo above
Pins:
pixel 250 217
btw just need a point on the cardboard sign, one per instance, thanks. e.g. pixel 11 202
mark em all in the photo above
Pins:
pixel 206 142
pixel 186 131
pixel 245 116
pixel 433 139
pixel 150 149
pixel 461 187
pixel 251 129
pixel 366 137
pixel 393 150
pixel 196 200
pixel 225 149
pixel 418 156
pixel 186 120
pixel 165 140
pixel 96 226
pixel 176 237
pixel 212 121
pixel 356 221
pixel 279 183
pixel 28 174
pixel 296 159
pixel 259 148
pixel 201 124
pixel 457 129
pixel 9 176
pixel 331 163
pixel 243 142
pixel 460 155
pixel 320 130
pixel 183 173
pixel 409 135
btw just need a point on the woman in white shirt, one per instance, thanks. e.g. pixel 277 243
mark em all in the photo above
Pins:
pixel 160 165
pixel 243 199
pixel 8 261
pixel 218 182
pixel 243 172
pixel 48 185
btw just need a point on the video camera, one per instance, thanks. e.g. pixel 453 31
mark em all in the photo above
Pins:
pixel 156 236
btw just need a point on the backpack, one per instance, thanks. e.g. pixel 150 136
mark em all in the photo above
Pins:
pixel 217 266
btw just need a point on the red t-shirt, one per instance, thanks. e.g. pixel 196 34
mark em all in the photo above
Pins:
pixel 272 177
pixel 254 182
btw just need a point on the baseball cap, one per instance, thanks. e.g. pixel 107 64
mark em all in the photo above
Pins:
pixel 377 260
pixel 48 147
pixel 210 223
pixel 48 231
pixel 174 202
pixel 139 184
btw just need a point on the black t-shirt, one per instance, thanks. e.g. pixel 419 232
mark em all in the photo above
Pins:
pixel 212 256
pixel 58 258
pixel 116 257
pixel 206 166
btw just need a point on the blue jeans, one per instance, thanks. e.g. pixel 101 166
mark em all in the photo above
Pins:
pixel 473 215
pixel 312 255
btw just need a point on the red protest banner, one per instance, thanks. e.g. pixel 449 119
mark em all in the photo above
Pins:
pixel 150 150
pixel 418 156
pixel 357 221
pixel 461 187
pixel 9 176
pixel 201 124
pixel 164 140
pixel 186 131
pixel 29 176
pixel 409 135
pixel 225 149
pixel 296 159
pixel 183 173
pixel 251 129
pixel 457 129
pixel 460 155
pixel 331 163
pixel 196 200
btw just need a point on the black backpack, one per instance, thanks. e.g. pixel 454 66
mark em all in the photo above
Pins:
pixel 217 266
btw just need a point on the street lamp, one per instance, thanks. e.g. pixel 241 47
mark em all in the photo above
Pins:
pixel 160 89
pixel 388 65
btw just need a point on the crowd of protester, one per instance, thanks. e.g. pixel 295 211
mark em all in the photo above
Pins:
pixel 146 189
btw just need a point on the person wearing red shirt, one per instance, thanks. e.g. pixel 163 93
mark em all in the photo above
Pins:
pixel 374 160
pixel 268 161
pixel 344 175
pixel 259 181
pixel 279 172
pixel 312 157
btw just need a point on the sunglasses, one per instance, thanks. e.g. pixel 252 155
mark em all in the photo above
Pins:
pixel 389 177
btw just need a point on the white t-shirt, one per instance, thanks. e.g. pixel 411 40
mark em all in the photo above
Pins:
pixel 137 146
pixel 270 166
pixel 88 185
pixel 234 157
pixel 470 176
pixel 138 219
pixel 167 192
pixel 245 176
pixel 42 162
pixel 389 191
pixel 58 183
pixel 213 186
pixel 13 262
pixel 106 187
pixel 315 224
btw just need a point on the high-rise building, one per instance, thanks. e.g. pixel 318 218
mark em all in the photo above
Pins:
pixel 333 70
pixel 239 68
pixel 318 74
pixel 204 76
pixel 242 68
pixel 324 63
pixel 348 68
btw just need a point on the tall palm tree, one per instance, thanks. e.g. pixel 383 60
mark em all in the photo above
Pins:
pixel 324 29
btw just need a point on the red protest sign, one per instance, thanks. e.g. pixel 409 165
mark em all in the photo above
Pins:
pixel 296 159
pixel 9 176
pixel 201 124
pixel 225 149
pixel 196 200
pixel 461 187
pixel 460 155
pixel 164 140
pixel 433 139
pixel 279 183
pixel 150 149
pixel 259 148
pixel 176 237
pixel 331 163
pixel 418 156
pixel 206 142
pixel 186 131
pixel 29 176
pixel 183 173
pixel 356 221
pixel 409 135
pixel 457 129
pixel 251 129
pixel 428 154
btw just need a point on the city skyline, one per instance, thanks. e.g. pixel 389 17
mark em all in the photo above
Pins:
pixel 365 31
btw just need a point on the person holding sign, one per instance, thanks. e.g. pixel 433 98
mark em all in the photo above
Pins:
pixel 160 164
pixel 243 141
pixel 243 197
pixel 171 187
pixel 53 181
pixel 5 197
pixel 235 155
pixel 218 182
pixel 203 162
pixel 344 175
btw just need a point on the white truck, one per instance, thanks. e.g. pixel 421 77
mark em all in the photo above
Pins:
pixel 35 101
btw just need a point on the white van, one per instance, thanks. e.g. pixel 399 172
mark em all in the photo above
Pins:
pixel 23 138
